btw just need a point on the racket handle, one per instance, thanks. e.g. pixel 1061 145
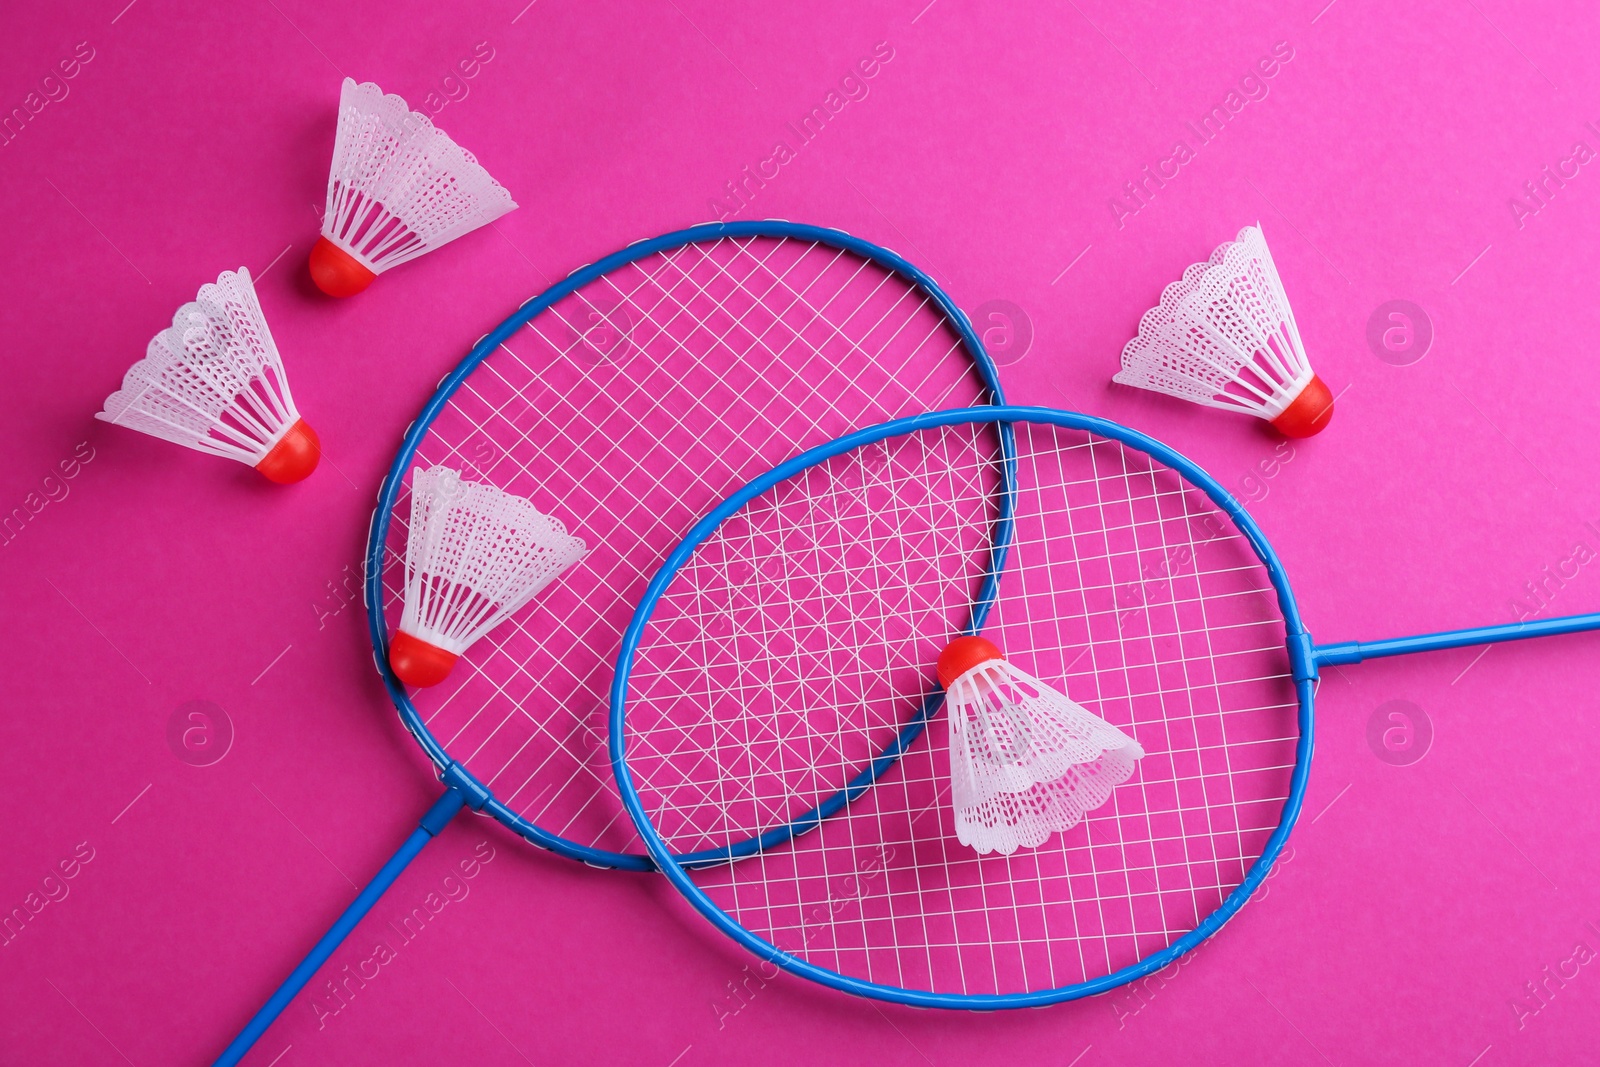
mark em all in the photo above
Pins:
pixel 1356 651
pixel 443 810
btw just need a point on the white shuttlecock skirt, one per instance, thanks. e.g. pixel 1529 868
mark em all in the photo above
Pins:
pixel 475 554
pixel 1223 335
pixel 1026 760
pixel 399 186
pixel 213 381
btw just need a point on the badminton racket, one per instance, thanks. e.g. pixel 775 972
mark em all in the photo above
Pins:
pixel 625 401
pixel 1132 581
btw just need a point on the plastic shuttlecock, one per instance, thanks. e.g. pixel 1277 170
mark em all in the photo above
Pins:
pixel 213 381
pixel 398 187
pixel 475 554
pixel 1025 760
pixel 1224 336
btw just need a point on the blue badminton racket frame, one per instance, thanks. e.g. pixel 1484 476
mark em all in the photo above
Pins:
pixel 1305 659
pixel 462 788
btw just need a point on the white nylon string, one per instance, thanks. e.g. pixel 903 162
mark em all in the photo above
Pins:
pixel 627 410
pixel 828 599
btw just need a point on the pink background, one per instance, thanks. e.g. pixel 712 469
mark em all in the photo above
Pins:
pixel 1418 899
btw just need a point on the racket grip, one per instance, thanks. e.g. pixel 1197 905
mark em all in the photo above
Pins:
pixel 443 810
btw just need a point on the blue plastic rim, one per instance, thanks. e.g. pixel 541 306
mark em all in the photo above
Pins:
pixel 447 388
pixel 1297 643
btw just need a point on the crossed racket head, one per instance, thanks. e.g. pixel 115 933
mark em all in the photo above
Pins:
pixel 796 630
pixel 626 401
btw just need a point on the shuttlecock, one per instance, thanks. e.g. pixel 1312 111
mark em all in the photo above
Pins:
pixel 398 187
pixel 1025 760
pixel 1224 336
pixel 475 554
pixel 213 381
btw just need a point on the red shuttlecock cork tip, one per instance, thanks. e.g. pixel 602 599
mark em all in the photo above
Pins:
pixel 336 271
pixel 1307 414
pixel 417 663
pixel 963 654
pixel 294 456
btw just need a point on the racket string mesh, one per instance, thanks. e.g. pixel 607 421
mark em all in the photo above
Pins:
pixel 627 410
pixel 1125 588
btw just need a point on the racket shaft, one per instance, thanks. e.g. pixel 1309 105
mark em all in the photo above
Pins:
pixel 1356 651
pixel 443 810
